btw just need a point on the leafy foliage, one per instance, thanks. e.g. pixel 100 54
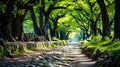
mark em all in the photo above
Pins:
pixel 109 46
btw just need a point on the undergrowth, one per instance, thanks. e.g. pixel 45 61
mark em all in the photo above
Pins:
pixel 108 46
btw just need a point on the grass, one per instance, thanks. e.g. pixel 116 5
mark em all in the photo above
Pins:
pixel 108 46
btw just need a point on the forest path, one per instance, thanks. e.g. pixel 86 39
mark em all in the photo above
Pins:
pixel 78 59
pixel 64 56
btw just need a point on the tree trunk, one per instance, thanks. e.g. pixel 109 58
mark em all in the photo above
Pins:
pixel 53 31
pixel 93 27
pixel 117 20
pixel 34 21
pixel 41 28
pixel 6 22
pixel 46 26
pixel 105 19
pixel 17 26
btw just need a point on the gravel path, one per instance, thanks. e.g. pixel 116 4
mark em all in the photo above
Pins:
pixel 64 56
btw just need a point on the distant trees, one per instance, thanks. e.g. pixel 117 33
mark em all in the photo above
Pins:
pixel 53 28
pixel 44 12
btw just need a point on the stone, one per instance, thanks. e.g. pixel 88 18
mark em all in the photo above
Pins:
pixel 88 54
pixel 107 63
pixel 98 53
pixel 93 56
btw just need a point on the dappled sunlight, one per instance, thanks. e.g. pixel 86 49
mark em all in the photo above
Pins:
pixel 56 33
pixel 63 56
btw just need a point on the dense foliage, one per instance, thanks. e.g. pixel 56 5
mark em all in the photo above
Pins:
pixel 57 18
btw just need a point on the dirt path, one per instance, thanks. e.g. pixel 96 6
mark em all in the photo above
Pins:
pixel 71 53
pixel 78 59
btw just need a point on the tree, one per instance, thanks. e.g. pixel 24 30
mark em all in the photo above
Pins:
pixel 17 25
pixel 105 19
pixel 53 30
pixel 44 12
pixel 6 23
pixel 89 15
pixel 117 20
pixel 34 20
pixel 14 12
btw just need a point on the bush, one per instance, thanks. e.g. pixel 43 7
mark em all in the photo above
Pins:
pixel 108 46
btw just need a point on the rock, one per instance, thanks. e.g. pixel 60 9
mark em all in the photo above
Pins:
pixel 100 60
pixel 87 50
pixel 88 54
pixel 98 53
pixel 32 66
pixel 110 55
pixel 103 55
pixel 93 56
pixel 107 63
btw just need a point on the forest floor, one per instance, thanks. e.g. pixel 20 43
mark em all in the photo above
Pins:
pixel 64 56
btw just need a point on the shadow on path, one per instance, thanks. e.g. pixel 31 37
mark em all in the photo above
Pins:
pixel 70 54
pixel 77 58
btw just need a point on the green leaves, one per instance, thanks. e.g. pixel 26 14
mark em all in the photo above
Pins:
pixel 2 7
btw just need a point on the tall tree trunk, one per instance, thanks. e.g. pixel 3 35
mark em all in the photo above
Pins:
pixel 34 21
pixel 117 20
pixel 62 35
pixel 41 33
pixel 53 31
pixel 105 19
pixel 46 26
pixel 6 22
pixel 17 26
pixel 41 28
pixel 93 23
pixel 93 27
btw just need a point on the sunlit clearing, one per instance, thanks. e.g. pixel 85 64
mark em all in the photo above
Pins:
pixel 74 37
pixel 74 40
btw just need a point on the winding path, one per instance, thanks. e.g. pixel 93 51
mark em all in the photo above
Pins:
pixel 71 51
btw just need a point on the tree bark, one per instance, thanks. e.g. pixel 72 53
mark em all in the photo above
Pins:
pixel 105 19
pixel 41 28
pixel 46 26
pixel 117 20
pixel 7 21
pixel 34 21
pixel 53 31
pixel 17 26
